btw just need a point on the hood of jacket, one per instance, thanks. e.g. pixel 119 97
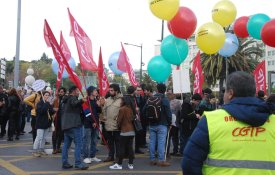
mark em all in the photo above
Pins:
pixel 250 110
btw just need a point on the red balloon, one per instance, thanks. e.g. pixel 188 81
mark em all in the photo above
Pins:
pixel 268 33
pixel 184 24
pixel 240 27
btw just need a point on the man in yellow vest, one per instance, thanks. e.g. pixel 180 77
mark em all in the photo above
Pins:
pixel 238 139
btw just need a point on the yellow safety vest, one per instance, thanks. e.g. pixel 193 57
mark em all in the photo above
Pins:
pixel 237 148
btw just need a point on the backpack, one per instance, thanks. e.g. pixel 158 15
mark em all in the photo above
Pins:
pixel 153 110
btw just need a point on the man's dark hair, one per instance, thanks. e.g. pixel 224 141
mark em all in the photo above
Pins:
pixel 115 87
pixel 271 98
pixel 45 92
pixel 72 88
pixel 131 90
pixel 242 84
pixel 143 86
pixel 196 97
pixel 161 88
pixel 261 94
pixel 62 88
pixel 207 91
pixel 149 88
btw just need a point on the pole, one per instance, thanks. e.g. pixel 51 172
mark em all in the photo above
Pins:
pixel 140 77
pixel 16 61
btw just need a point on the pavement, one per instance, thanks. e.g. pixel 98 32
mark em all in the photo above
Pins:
pixel 16 159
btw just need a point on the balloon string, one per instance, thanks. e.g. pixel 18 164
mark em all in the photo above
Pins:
pixel 177 47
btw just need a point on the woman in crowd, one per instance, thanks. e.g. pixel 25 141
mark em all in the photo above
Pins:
pixel 14 117
pixel 125 123
pixel 43 121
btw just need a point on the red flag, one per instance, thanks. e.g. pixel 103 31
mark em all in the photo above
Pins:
pixel 83 44
pixel 59 56
pixel 260 78
pixel 199 78
pixel 124 65
pixel 102 77
pixel 64 47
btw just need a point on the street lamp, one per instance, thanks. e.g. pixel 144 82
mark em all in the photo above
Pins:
pixel 141 63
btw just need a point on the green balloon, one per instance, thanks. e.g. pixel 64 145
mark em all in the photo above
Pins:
pixel 158 69
pixel 255 25
pixel 174 50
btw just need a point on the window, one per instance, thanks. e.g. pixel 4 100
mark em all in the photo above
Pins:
pixel 269 63
pixel 273 52
pixel 269 53
pixel 273 62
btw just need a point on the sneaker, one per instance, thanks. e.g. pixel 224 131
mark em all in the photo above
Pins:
pixel 95 159
pixel 54 151
pixel 36 154
pixel 153 162
pixel 87 160
pixel 43 153
pixel 81 167
pixel 116 167
pixel 163 164
pixel 130 166
pixel 67 166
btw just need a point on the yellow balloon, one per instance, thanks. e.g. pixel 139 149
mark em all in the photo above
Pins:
pixel 224 13
pixel 164 9
pixel 210 37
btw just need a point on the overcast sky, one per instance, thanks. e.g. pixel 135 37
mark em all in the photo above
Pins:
pixel 106 22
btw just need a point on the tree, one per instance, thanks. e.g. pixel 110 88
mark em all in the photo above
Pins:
pixel 45 58
pixel 148 81
pixel 245 59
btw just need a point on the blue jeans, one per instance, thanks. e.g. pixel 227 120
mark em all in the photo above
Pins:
pixel 158 135
pixel 89 142
pixel 73 134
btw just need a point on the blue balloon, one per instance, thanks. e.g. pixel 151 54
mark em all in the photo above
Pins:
pixel 113 63
pixel 174 50
pixel 255 25
pixel 230 45
pixel 158 69
pixel 65 73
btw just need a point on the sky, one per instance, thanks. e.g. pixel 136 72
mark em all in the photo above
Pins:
pixel 106 22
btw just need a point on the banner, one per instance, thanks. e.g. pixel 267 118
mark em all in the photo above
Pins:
pixel 197 71
pixel 83 44
pixel 60 58
pixel 260 77
pixel 181 81
pixel 102 77
pixel 124 65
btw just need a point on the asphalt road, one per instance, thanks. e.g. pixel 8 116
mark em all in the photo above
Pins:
pixel 16 159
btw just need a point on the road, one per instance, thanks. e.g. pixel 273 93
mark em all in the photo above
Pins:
pixel 16 159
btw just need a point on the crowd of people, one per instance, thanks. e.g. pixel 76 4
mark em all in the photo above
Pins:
pixel 195 125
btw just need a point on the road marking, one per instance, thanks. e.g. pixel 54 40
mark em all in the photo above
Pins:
pixel 105 172
pixel 20 159
pixel 14 169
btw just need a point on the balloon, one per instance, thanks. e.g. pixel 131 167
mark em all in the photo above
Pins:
pixel 164 9
pixel 158 69
pixel 65 73
pixel 29 80
pixel 224 12
pixel 255 24
pixel 268 33
pixel 240 27
pixel 174 50
pixel 113 63
pixel 230 46
pixel 184 24
pixel 210 37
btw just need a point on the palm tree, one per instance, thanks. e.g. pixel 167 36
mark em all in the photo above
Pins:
pixel 245 59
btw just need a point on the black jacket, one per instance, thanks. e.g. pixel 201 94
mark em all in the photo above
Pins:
pixel 43 110
pixel 89 120
pixel 71 117
pixel 188 119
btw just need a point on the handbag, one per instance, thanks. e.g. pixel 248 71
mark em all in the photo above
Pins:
pixel 137 124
